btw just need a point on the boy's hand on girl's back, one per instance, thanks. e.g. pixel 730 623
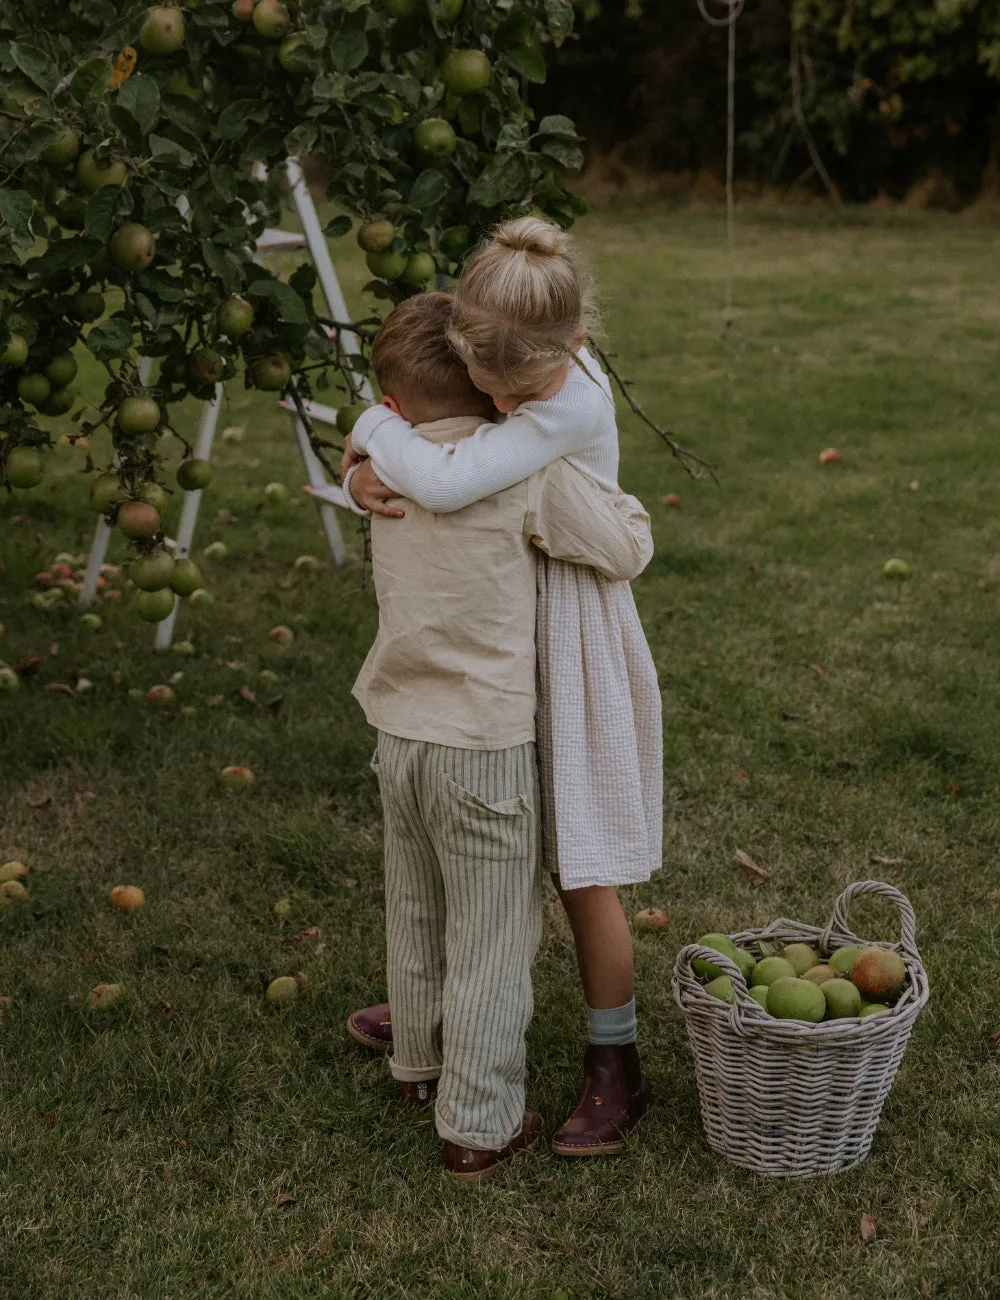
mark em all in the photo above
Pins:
pixel 371 493
pixel 349 459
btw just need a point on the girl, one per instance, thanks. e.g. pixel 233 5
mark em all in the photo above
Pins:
pixel 521 314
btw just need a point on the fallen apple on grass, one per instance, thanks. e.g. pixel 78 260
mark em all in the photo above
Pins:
pixel 283 907
pixel 651 918
pixel 236 778
pixel 282 989
pixel 12 891
pixel 830 457
pixel 102 997
pixel 672 499
pixel 159 696
pixel 126 898
pixel 13 871
pixel 281 635
pixel 275 494
pixel 895 568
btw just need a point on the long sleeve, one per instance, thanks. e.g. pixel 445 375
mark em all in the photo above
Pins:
pixel 570 518
pixel 442 478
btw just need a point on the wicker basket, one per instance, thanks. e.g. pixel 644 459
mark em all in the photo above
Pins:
pixel 782 1097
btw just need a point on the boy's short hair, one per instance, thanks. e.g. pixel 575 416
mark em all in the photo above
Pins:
pixel 414 362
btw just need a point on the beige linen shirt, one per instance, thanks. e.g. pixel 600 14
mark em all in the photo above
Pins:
pixel 454 659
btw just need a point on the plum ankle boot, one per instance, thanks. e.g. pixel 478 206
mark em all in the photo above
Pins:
pixel 616 1095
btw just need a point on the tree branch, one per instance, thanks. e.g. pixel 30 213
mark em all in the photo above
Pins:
pixel 694 465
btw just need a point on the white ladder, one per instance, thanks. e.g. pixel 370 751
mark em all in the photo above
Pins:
pixel 272 240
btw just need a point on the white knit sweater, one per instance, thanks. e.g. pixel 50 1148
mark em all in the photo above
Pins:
pixel 577 423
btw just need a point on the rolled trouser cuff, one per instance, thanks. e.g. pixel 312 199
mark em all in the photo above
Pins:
pixel 413 1073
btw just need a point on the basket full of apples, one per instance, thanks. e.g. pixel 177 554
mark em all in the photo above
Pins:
pixel 797 1033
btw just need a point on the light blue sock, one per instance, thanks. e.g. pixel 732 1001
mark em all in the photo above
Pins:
pixel 611 1026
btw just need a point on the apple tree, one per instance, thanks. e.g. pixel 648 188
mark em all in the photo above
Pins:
pixel 140 153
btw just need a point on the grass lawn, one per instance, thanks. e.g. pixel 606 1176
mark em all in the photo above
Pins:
pixel 196 1141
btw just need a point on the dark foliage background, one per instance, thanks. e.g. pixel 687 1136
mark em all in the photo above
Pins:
pixel 895 95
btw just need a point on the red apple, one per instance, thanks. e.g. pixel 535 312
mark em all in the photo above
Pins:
pixel 236 778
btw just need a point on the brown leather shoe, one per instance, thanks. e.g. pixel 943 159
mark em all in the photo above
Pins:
pixel 615 1097
pixel 372 1026
pixel 419 1093
pixel 470 1166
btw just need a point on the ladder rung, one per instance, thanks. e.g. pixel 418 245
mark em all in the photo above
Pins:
pixel 315 410
pixel 280 239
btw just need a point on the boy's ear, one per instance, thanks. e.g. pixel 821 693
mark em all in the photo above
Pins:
pixel 392 404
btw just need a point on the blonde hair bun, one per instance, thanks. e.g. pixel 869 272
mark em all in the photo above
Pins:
pixel 532 235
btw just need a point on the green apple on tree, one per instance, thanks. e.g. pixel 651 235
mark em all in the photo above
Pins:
pixel 163 30
pixel 24 467
pixel 93 175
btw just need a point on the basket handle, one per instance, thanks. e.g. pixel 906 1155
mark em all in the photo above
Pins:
pixel 744 1007
pixel 907 921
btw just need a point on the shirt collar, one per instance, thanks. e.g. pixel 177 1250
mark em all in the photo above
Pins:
pixel 452 429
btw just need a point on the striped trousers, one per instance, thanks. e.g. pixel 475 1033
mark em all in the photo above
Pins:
pixel 463 923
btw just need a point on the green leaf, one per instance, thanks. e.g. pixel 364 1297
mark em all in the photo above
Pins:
pixel 504 177
pixel 348 50
pixel 528 62
pixel 224 182
pixel 560 18
pixel 163 149
pixel 224 264
pixel 90 80
pixel 111 339
pixel 31 143
pixel 16 207
pixel 289 304
pixel 338 226
pixel 234 118
pixel 65 255
pixel 140 98
pixel 511 137
pixel 429 189
pixel 103 208
pixel 36 65
pixel 556 124
pixel 565 153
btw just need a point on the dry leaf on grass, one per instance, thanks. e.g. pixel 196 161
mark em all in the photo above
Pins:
pixel 348 882
pixel 756 875
pixel 867 1227
pixel 817 671
pixel 877 860
pixel 286 1198
pixel 43 801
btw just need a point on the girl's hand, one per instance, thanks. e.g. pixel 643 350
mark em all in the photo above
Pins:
pixel 371 493
pixel 349 458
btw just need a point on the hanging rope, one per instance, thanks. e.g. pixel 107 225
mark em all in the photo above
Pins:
pixel 729 19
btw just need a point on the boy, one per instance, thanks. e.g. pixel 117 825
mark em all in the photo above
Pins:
pixel 449 686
